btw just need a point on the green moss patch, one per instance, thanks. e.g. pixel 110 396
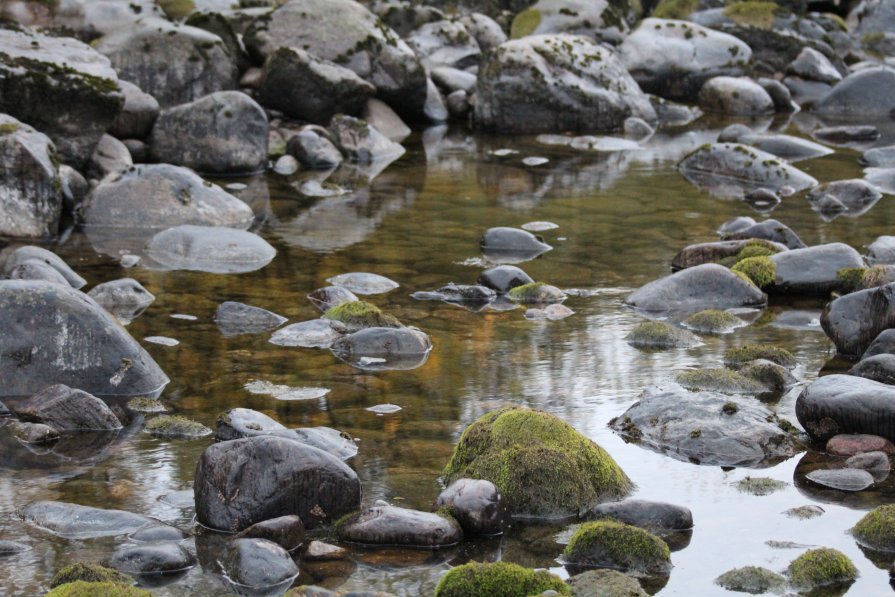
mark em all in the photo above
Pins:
pixel 761 270
pixel 760 485
pixel 752 14
pixel 675 9
pixel 95 589
pixel 498 579
pixel 719 380
pixel 713 321
pixel 658 334
pixel 176 426
pixel 542 466
pixel 876 529
pixel 751 352
pixel 177 9
pixel 824 566
pixel 611 544
pixel 536 293
pixel 89 573
pixel 358 315
pixel 751 579
pixel 525 23
pixel 146 405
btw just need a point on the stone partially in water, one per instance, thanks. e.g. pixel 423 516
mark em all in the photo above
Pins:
pixel 474 578
pixel 362 143
pixel 837 404
pixel 384 348
pixel 845 479
pixel 751 579
pixel 536 293
pixel 727 252
pixel 610 544
pixel 212 249
pixel 31 253
pixel 820 567
pixel 760 485
pixel 852 321
pixel 359 315
pixel 713 321
pixel 317 333
pixel 876 529
pixel 126 298
pixel 238 423
pixel 605 582
pixel 879 368
pixel 257 565
pixel 392 526
pixel 867 93
pixel 72 521
pixel 720 380
pixel 80 588
pixel 503 278
pixel 857 443
pixel 286 531
pixel 11 548
pixel 235 318
pixel 735 96
pixel 476 504
pixel 458 293
pixel 364 283
pixel 770 230
pixel 813 270
pixel 176 426
pixel 331 296
pixel 511 245
pixel 151 559
pixel 33 433
pixel 64 408
pixel 655 517
pixel 88 573
pixel 658 334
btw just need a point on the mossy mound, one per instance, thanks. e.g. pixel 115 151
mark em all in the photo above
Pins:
pixel 525 23
pixel 177 9
pixel 860 278
pixel 146 405
pixel 675 9
pixel 80 588
pixel 736 357
pixel 358 315
pixel 611 544
pixel 752 14
pixel 719 380
pixel 658 334
pixel 761 270
pixel 713 321
pixel 818 567
pixel 89 573
pixel 760 485
pixel 876 529
pixel 774 377
pixel 500 579
pixel 604 582
pixel 751 579
pixel 176 426
pixel 541 465
pixel 537 293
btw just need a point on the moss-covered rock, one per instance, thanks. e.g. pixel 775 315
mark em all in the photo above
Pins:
pixel 761 270
pixel 358 315
pixel 675 9
pixel 760 485
pixel 604 582
pixel 756 247
pixel 498 579
pixel 142 404
pixel 752 14
pixel 713 321
pixel 176 426
pixel 725 381
pixel 94 589
pixel 542 466
pixel 525 23
pixel 177 9
pixel 818 567
pixel 89 573
pixel 851 277
pixel 876 529
pixel 536 293
pixel 860 278
pixel 775 378
pixel 658 334
pixel 736 357
pixel 610 544
pixel 751 579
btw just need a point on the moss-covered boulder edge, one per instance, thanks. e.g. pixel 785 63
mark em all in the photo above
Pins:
pixel 542 466
pixel 876 530
pixel 80 588
pixel 609 543
pixel 498 579
pixel 361 314
pixel 821 567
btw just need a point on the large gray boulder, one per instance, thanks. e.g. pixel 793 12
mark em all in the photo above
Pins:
pixel 64 409
pixel 735 96
pixel 872 16
pixel 345 32
pixel 866 93
pixel 30 188
pixel 176 63
pixel 672 59
pixel 60 86
pixel 213 249
pixel 552 83
pixel 854 320
pixel 837 404
pixel 813 270
pixel 55 334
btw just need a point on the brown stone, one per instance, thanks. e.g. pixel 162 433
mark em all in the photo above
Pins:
pixel 858 443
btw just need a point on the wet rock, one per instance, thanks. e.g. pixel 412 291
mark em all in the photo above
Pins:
pixel 176 426
pixel 109 156
pixel 738 356
pixel 720 380
pixel 33 269
pixel 760 486
pixel 33 433
pixel 845 404
pixel 881 178
pixel 805 512
pixel 879 368
pixel 814 66
pixel 474 578
pixel 847 134
pixel 363 283
pixel 434 109
pixel 80 588
pixel 884 343
pixel 813 270
pixel 673 59
pixel 476 504
pixel 313 150
pixel 867 93
pixel 392 526
pixel 610 544
pixel 554 472
pixel 444 43
pixel 214 249
pixel 874 462
pixel 694 289
pixel 461 294
pixel 852 321
pixel 138 114
pixel 47 324
pixel 695 427
pixel 486 31
pixel 881 250
pixel 751 579
pixel 156 532
pixel 362 143
pixel 770 230
pixel 787 147
pixel 846 479
pixel 88 573
pixel 820 567
pixel 604 582
pixel 780 95
pixel 853 197
pixel 736 225
pixel 235 318
pixel 151 559
pixel 305 87
pixel 319 551
pixel 536 293
pixel 713 321
pixel 852 444
pixel 198 62
pixel 317 333
pixel 726 252
pixel 658 334
pixel 876 529
pixel 125 298
pixel 67 409
pixel 364 44
pixel 503 243
pixel 221 133
pixel 286 531
pixel 579 86
pixel 879 157
pixel 11 548
pixel 404 17
pixel 452 79
pixel 379 347
pixel 331 296
pixel 72 521
pixel 655 517
pixel 736 96
pixel 359 315
pixel 267 477
pixel 32 253
pixel 258 564
pixel 773 376
pixel 503 278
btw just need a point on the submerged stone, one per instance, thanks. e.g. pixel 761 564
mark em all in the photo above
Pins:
pixel 476 504
pixel 73 521
pixel 213 249
pixel 317 333
pixel 67 409
pixel 363 283
pixel 876 529
pixel 331 296
pixel 125 298
pixel 658 334
pixel 384 348
pixel 760 485
pixel 713 321
pixel 176 426
pixel 151 559
pixel 235 318
pixel 605 582
pixel 751 579
pixel 845 479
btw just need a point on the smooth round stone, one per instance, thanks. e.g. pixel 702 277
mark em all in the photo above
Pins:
pixel 364 283
pixel 476 504
pixel 158 532
pixel 258 564
pixel 539 226
pixel 392 526
pixel 845 479
pixel 286 165
pixel 33 433
pixel 331 296
pixel 235 318
pixel 502 153
pixel 534 161
pixel 857 443
pixel 384 409
pixel 162 340
pixel 212 249
pixel 73 521
pixel 503 278
pixel 870 461
pixel 286 531
pixel 151 558
pixel 317 333
pixel 652 516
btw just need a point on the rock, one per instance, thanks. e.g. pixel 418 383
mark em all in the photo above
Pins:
pixel 655 517
pixel 697 427
pixel 313 150
pixel 536 293
pixel 286 531
pixel 176 426
pixel 813 270
pixel 364 44
pixel 738 356
pixel 509 245
pixel 814 66
pixel 486 31
pixel 318 551
pixel 852 321
pixel 444 43
pixel 852 444
pixel 138 114
pixel 221 133
pixel 694 289
pixel 773 376
pixel 267 477
pixel 820 567
pixel 882 178
pixel 434 109
pixel 198 63
pixel 33 433
pixel 836 404
pixel 88 573
pixel 179 196
pixel 110 156
pixel 879 368
pixel 884 343
pixel 658 334
pixel 458 294
pixel 881 250
pixel 770 230
pixel 362 143
pixel 317 333
pixel 155 532
pixel 48 325
pixel 331 296
pixel 713 321
pixel 235 318
pixel 67 409
pixel 867 93
pixel 476 504
pixel 720 380
pixel 214 249
pixel 760 486
pixel 11 548
pixel 378 115
pixel 503 278
pixel 610 544
pixel 392 526
pixel 787 147
pixel 363 283
pixel 452 79
pixel 854 197
pixel 843 479
pixel 79 588
pixel 604 582
pixel 220 24
pixel 735 96
pixel 727 252
pixel 879 157
pixel 31 253
pixel 474 578
pixel 72 521
pixel 736 225
pixel 257 564
pixel 61 87
pixel 404 17
pixel 308 88
pixel 673 59
pixel 384 348
pixel 124 298
pixel 359 315
pixel 734 169
pixel 751 579
pixel 549 470
pixel 30 188
pixel 151 558
pixel 874 462
pixel 580 87
pixel 33 269
pixel 805 512
pixel 139 152
pixel 780 95
pixel 847 134
pixel 876 529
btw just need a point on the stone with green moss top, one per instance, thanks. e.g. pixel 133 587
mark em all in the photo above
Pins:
pixel 604 582
pixel 536 293
pixel 876 529
pixel 358 315
pixel 94 589
pixel 761 270
pixel 775 378
pixel 719 380
pixel 176 426
pixel 498 579
pixel 525 23
pixel 543 467
pixel 713 321
pixel 756 247
pixel 675 9
pixel 610 544
pixel 760 485
pixel 751 579
pixel 658 334
pixel 90 573
pixel 143 404
pixel 820 567
pixel 752 14
pixel 177 9
pixel 736 357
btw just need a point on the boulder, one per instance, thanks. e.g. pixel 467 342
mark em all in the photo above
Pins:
pixel 813 270
pixel 66 409
pixel 879 368
pixel 846 134
pixel 138 114
pixel 286 531
pixel 655 517
pixel 110 156
pixel 876 529
pixel 378 114
pixel 362 143
pixel 486 31
pixel 444 43
pixel 359 315
pixel 56 334
pixel 787 147
pixel 235 318
pixel 175 426
pixel 820 568
pixel 853 321
pixel 503 278
pixel 316 333
pixel 726 252
pixel 770 230
pixel 151 558
pixel 611 544
pixel 221 133
pixel 871 16
pixel 881 251
pixel 735 96
pixel 603 20
pixel 867 93
pixel 364 283
pixel 476 504
pixel 403 17
pixel 384 348
pixel 554 83
pixel 837 404
pixel 474 578
pixel 32 253
pixel 214 249
pixel 313 150
pixel 152 533
pixel 390 526
pixel 73 521
pixel 257 566
pixel 814 66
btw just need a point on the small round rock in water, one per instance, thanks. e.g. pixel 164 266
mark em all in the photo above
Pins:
pixel 502 153
pixel 364 283
pixel 476 504
pixel 151 558
pixel 539 226
pixel 162 340
pixel 845 479
pixel 533 161
pixel 286 165
pixel 286 531
pixel 875 462
pixel 751 579
pixel 504 277
pixel 384 409
pixel 331 296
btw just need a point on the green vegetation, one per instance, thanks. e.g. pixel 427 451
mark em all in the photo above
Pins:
pixel 9 128
pixel 760 485
pixel 751 352
pixel 752 14
pixel 536 292
pixel 358 315
pixel 142 404
pixel 498 579
pixel 719 380
pixel 89 573
pixel 818 567
pixel 525 23
pixel 852 278
pixel 95 589
pixel 751 579
pixel 675 9
pixel 607 543
pixel 876 529
pixel 176 426
pixel 658 334
pixel 712 321
pixel 760 270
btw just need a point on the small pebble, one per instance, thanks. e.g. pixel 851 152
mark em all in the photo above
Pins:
pixel 535 161
pixel 163 340
pixel 129 260
pixel 384 409
pixel 539 226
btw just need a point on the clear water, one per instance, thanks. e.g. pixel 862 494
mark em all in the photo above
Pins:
pixel 622 217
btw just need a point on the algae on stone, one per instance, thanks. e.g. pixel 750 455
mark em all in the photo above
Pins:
pixel 525 23
pixel 719 380
pixel 80 588
pixel 751 352
pixel 752 14
pixel 760 485
pixel 675 9
pixel 176 426
pixel 876 529
pixel 658 334
pixel 761 270
pixel 536 293
pixel 751 579
pixel 498 579
pixel 612 544
pixel 604 582
pixel 89 573
pixel 819 567
pixel 357 315
pixel 713 321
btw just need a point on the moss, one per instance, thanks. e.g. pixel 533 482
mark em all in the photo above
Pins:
pixel 761 270
pixel 730 408
pixel 868 40
pixel 756 248
pixel 542 466
pixel 9 128
pixel 89 573
pixel 713 321
pixel 536 292
pixel 525 23
pixel 752 14
pixel 753 352
pixel 93 589
pixel 145 405
pixel 771 375
pixel 876 529
pixel 824 566
pixel 658 334
pixel 751 579
pixel 760 485
pixel 361 314
pixel 498 579
pixel 675 9
pixel 176 426
pixel 612 544
pixel 743 277
pixel 177 9
pixel 719 380
pixel 851 277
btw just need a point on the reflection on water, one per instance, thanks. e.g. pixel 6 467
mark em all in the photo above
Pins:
pixel 621 216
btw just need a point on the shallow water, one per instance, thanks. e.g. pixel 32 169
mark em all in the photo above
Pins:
pixel 621 218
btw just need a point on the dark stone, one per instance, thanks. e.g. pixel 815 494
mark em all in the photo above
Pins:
pixel 854 320
pixel 286 531
pixel 258 564
pixel 33 433
pixel 392 526
pixel 508 245
pixel 155 532
pixel 313 150
pixel 857 443
pixel 72 521
pixel 837 404
pixel 867 93
pixel 151 558
pixel 235 318
pixel 503 278
pixel 656 517
pixel 843 479
pixel 771 230
pixel 879 368
pixel 64 408
pixel 780 95
pixel 476 504
pixel 11 548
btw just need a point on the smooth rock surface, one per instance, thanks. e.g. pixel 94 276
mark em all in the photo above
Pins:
pixel 214 249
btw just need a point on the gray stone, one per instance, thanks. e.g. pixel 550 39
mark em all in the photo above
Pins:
pixel 110 156
pixel 814 66
pixel 258 565
pixel 32 253
pixel 152 558
pixel 655 517
pixel 138 114
pixel 813 270
pixel 313 150
pixel 384 348
pixel 881 251
pixel 444 43
pixel 602 20
pixel 73 521
pixel 487 33
pixel 235 318
pixel 393 526
pixel 67 409
pixel 213 249
pixel 844 404
pixel 880 367
pixel 735 96
pixel 384 119
pixel 362 143
pixel 34 269
pixel 843 479
pixel 879 157
pixel 852 321
pixel 451 79
pixel 316 333
pixel 476 504
pixel 331 296
pixel 771 230
pixel 33 433
pixel 124 298
pixel 866 93
pixel 286 531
